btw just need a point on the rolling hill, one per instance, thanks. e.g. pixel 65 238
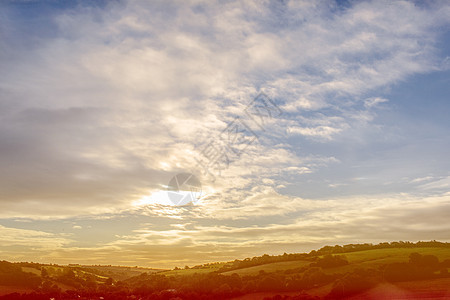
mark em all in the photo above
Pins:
pixel 402 269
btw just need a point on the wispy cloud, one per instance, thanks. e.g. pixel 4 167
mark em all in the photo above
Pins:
pixel 102 108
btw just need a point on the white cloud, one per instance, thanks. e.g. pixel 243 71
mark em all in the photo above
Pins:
pixel 439 184
pixel 370 102
pixel 38 240
pixel 325 132
pixel 103 114
pixel 337 221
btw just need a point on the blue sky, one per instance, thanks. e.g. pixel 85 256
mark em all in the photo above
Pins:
pixel 102 103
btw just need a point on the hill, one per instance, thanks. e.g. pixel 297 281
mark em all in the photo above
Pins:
pixel 332 272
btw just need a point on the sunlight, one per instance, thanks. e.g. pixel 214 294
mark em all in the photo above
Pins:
pixel 168 198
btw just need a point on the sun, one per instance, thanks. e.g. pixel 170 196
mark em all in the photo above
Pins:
pixel 169 198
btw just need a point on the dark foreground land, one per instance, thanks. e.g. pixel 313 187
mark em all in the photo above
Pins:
pixel 397 270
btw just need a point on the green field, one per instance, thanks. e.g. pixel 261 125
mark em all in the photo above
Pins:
pixel 360 259
pixel 31 270
pixel 397 254
pixel 378 257
pixel 268 268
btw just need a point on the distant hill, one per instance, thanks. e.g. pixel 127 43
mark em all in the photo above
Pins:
pixel 237 264
pixel 331 272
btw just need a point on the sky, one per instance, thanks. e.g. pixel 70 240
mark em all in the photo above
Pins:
pixel 307 123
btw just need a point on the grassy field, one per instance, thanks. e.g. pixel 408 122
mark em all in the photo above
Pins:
pixel 361 259
pixel 268 268
pixel 397 254
pixel 378 257
pixel 31 270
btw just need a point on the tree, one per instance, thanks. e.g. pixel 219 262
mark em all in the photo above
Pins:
pixel 427 262
pixel 44 272
pixel 271 284
pixel 430 262
pixel 415 258
pixel 109 281
pixel 331 261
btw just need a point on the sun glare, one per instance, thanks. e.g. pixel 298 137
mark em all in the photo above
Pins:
pixel 168 198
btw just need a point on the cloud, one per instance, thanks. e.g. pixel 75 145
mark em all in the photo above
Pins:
pixel 442 184
pixel 339 221
pixel 320 131
pixel 370 102
pixel 108 104
pixel 17 244
pixel 110 108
